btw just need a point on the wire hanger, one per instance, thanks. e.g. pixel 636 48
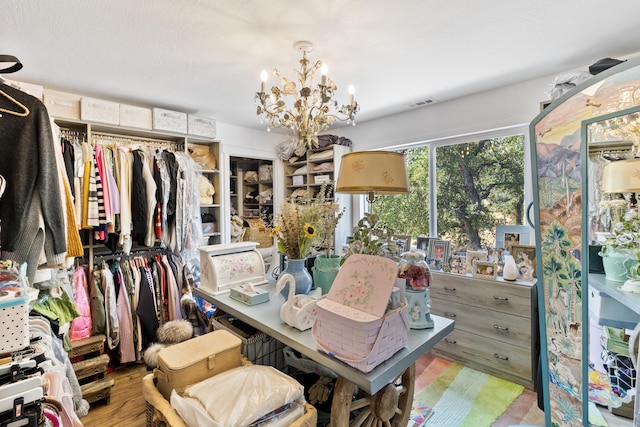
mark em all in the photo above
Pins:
pixel 25 111
pixel 12 69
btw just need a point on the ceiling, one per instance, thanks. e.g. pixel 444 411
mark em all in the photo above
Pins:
pixel 205 56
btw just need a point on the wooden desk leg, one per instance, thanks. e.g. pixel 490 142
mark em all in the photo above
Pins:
pixel 389 407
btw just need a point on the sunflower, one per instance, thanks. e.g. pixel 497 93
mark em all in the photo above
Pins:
pixel 309 231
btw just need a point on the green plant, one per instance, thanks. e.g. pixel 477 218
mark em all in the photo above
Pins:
pixel 626 240
pixel 371 238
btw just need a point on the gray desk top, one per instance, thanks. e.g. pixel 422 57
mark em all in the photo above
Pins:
pixel 266 318
pixel 610 288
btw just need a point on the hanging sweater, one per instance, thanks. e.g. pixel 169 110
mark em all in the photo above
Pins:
pixel 32 197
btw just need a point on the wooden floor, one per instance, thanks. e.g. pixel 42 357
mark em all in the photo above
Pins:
pixel 127 404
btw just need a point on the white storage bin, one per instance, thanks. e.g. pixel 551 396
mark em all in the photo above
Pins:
pixel 137 117
pixel 61 104
pixel 170 121
pixel 98 110
pixel 14 309
pixel 201 126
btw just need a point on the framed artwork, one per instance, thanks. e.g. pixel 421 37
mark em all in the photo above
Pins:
pixel 403 241
pixel 509 235
pixel 422 243
pixel 475 256
pixel 525 256
pixel 435 264
pixel 485 269
pixel 438 249
pixel 458 264
pixel 495 254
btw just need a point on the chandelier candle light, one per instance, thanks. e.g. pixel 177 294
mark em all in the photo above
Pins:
pixel 313 108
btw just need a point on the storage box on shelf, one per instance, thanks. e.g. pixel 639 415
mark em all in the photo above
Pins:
pixel 495 329
pixel 304 178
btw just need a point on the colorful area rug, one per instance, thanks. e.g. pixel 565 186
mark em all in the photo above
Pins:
pixel 460 396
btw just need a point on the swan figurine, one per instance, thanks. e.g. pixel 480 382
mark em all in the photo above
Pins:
pixel 299 310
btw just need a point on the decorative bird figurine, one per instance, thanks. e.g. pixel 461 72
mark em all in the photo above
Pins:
pixel 298 310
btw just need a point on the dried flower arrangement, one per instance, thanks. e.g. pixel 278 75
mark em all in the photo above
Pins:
pixel 305 226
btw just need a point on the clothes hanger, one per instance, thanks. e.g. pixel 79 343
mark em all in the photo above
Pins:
pixel 25 111
pixel 17 65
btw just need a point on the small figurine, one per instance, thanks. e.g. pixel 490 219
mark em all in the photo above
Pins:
pixel 299 310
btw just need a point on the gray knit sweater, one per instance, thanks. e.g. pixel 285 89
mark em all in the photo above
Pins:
pixel 31 208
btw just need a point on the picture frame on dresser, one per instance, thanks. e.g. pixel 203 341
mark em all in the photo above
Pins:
pixel 485 269
pixel 438 249
pixel 474 255
pixel 509 235
pixel 403 241
pixel 525 257
pixel 458 264
pixel 422 243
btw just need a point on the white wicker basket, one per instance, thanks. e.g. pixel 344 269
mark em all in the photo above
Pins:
pixel 361 345
pixel 353 323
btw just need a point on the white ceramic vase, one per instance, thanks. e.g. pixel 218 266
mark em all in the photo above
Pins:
pixel 510 269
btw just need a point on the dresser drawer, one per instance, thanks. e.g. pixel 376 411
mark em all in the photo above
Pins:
pixel 507 328
pixel 501 296
pixel 496 356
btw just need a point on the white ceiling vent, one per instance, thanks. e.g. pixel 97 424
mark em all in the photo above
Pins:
pixel 421 103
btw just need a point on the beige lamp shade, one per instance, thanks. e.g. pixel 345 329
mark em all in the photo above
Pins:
pixel 373 173
pixel 622 176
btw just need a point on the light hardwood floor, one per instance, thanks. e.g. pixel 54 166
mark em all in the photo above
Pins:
pixel 127 404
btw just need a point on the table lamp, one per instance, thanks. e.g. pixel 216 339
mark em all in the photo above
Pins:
pixel 622 176
pixel 373 173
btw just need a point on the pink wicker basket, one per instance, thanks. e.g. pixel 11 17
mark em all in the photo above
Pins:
pixel 353 323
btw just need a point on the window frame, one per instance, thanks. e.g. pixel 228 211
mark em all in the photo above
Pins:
pixel 521 129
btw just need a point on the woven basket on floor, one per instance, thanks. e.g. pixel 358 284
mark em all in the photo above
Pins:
pixel 160 413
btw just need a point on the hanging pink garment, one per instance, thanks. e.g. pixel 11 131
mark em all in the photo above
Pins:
pixel 81 326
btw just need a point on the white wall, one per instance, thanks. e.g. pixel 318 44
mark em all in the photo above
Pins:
pixel 504 107
pixel 239 136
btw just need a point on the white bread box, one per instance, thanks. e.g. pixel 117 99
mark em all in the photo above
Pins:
pixel 225 266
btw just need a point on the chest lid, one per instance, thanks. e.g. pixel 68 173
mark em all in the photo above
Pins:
pixel 365 282
pixel 190 352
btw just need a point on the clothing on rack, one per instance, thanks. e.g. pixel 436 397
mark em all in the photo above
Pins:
pixel 31 211
pixel 140 191
pixel 148 288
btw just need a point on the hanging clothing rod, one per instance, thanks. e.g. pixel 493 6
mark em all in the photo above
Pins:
pixel 133 254
pixel 133 138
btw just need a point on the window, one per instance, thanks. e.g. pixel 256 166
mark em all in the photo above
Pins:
pixel 479 184
pixel 409 213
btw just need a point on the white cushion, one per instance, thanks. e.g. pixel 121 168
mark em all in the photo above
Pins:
pixel 237 397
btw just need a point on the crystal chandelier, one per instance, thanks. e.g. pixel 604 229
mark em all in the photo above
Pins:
pixel 313 108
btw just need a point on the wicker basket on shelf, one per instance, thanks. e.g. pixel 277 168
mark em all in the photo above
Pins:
pixel 256 231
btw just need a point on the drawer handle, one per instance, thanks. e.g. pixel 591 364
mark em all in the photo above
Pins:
pixel 450 290
pixel 501 299
pixel 501 328
pixel 449 314
pixel 497 356
pixel 448 341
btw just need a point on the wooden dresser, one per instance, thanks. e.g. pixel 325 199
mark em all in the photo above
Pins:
pixel 496 324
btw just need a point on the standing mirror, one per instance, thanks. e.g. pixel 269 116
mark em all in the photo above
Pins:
pixel 586 321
